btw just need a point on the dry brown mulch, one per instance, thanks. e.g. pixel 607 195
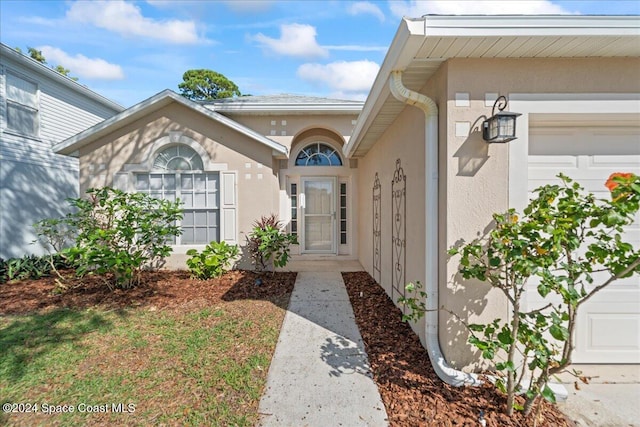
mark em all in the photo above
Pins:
pixel 411 391
pixel 160 289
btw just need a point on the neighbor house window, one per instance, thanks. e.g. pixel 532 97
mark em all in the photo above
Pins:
pixel 198 191
pixel 318 154
pixel 22 106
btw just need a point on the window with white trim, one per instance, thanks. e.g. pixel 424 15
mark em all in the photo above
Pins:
pixel 318 154
pixel 22 105
pixel 198 191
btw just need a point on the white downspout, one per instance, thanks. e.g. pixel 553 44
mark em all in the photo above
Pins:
pixel 401 93
pixel 441 367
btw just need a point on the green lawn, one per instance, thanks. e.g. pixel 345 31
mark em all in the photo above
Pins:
pixel 200 366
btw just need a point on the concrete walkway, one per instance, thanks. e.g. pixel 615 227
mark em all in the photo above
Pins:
pixel 611 399
pixel 320 373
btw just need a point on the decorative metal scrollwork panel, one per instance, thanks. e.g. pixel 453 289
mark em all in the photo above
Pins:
pixel 377 229
pixel 399 231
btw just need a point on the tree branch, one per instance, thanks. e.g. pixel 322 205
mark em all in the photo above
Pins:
pixel 611 279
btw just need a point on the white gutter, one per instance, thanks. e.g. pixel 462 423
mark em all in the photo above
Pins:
pixel 445 372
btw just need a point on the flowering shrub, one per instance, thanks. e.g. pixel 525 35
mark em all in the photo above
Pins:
pixel 563 238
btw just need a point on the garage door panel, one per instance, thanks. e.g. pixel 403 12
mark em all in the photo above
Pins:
pixel 608 329
pixel 614 163
pixel 586 141
pixel 606 336
pixel 546 163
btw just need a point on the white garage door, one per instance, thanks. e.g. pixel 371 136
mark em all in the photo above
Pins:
pixel 608 329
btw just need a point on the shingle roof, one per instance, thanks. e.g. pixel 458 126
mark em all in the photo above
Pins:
pixel 284 104
pixel 283 98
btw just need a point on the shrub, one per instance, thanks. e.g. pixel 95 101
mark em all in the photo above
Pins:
pixel 211 262
pixel 563 238
pixel 268 245
pixel 27 267
pixel 118 234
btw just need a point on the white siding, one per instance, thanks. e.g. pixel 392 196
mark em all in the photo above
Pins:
pixel 34 181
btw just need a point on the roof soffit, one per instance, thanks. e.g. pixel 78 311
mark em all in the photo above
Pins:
pixel 422 45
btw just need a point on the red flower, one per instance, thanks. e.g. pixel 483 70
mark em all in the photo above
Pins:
pixel 611 184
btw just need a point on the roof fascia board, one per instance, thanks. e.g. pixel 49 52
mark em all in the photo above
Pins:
pixel 147 106
pixel 547 25
pixel 36 66
pixel 121 119
pixel 403 49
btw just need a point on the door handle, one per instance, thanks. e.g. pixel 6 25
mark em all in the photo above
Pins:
pixel 302 201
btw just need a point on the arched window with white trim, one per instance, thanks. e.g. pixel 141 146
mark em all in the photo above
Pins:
pixel 178 174
pixel 318 154
pixel 178 158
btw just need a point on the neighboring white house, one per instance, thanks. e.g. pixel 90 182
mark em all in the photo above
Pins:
pixel 39 107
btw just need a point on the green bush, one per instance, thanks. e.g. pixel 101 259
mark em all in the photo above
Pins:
pixel 268 244
pixel 212 261
pixel 564 237
pixel 117 234
pixel 28 267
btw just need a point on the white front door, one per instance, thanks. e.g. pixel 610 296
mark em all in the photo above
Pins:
pixel 318 204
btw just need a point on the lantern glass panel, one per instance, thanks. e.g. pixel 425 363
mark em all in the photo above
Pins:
pixel 506 125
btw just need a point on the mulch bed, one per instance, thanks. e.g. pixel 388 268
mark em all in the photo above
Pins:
pixel 411 391
pixel 160 289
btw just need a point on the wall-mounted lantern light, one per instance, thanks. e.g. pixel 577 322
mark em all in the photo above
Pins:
pixel 501 126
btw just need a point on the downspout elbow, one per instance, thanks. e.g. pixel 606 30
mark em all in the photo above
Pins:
pixel 410 97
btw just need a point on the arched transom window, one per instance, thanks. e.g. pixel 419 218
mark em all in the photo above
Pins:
pixel 318 154
pixel 178 158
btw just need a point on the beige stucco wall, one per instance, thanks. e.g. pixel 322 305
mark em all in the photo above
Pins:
pixel 473 175
pixel 227 149
pixel 404 140
pixel 288 126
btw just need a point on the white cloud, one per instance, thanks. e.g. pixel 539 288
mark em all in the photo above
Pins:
pixel 417 8
pixel 358 48
pixel 295 40
pixel 341 76
pixel 127 19
pixel 81 66
pixel 252 6
pixel 365 7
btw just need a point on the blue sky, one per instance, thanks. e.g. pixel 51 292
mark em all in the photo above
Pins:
pixel 130 50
